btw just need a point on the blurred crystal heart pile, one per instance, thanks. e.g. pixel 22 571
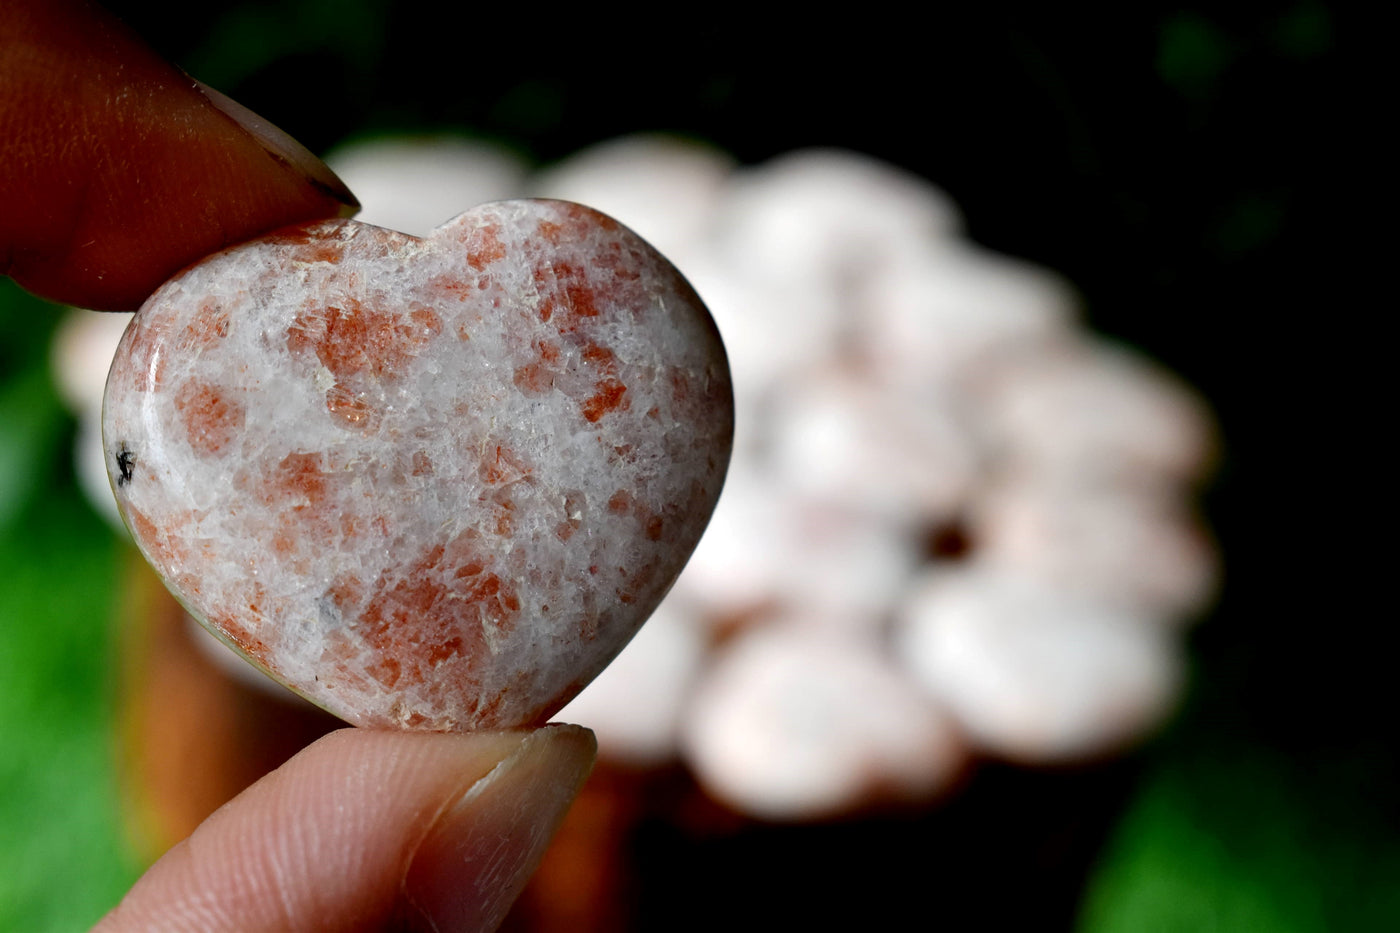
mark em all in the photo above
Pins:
pixel 958 524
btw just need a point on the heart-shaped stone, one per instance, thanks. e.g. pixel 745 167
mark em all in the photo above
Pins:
pixel 431 483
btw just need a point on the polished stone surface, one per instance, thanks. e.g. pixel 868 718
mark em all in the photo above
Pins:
pixel 431 483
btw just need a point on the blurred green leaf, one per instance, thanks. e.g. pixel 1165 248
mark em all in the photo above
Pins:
pixel 1192 54
pixel 63 862
pixel 250 38
pixel 1304 31
pixel 1237 837
pixel 1251 222
pixel 32 421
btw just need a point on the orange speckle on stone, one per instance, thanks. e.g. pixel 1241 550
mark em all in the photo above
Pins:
pixel 345 591
pixel 306 244
pixel 163 544
pixel 284 544
pixel 351 340
pixel 620 502
pixel 210 419
pixel 427 320
pixel 537 378
pixel 621 265
pixel 422 463
pixel 242 636
pixel 320 252
pixel 452 286
pixel 431 611
pixel 573 516
pixel 653 528
pixel 582 299
pixel 600 356
pixel 339 649
pixel 495 465
pixel 608 396
pixel 204 331
pixel 586 218
pixel 493 705
pixel 386 670
pixel 505 518
pixel 484 247
pixel 567 290
pixel 680 386
pixel 298 481
pixel 295 236
pixel 145 341
pixel 608 391
pixel 502 466
pixel 452 648
pixel 533 379
pixel 639 584
pixel 351 409
pixel 189 584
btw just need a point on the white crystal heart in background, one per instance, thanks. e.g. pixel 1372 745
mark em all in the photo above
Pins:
pixel 433 483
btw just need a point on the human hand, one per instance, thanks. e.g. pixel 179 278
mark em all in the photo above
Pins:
pixel 119 169
pixel 372 831
pixel 116 170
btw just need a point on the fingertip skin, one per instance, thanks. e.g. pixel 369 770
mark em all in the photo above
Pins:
pixel 116 168
pixel 371 830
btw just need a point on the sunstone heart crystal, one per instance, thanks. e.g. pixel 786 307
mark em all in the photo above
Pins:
pixel 432 483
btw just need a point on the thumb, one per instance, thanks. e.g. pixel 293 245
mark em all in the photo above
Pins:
pixel 372 830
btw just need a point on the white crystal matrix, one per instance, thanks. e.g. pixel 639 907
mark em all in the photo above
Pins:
pixel 435 483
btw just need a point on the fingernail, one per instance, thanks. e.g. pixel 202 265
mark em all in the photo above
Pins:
pixel 478 855
pixel 284 148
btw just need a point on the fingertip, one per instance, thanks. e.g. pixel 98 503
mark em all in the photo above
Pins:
pixel 480 852
pixel 118 171
pixel 284 149
pixel 327 842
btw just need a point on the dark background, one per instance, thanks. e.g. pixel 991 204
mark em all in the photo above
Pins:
pixel 1185 168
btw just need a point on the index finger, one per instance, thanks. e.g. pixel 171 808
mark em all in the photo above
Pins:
pixel 117 169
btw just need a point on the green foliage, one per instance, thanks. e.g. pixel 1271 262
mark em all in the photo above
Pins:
pixel 1192 54
pixel 1228 836
pixel 63 863
pixel 31 418
pixel 62 860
